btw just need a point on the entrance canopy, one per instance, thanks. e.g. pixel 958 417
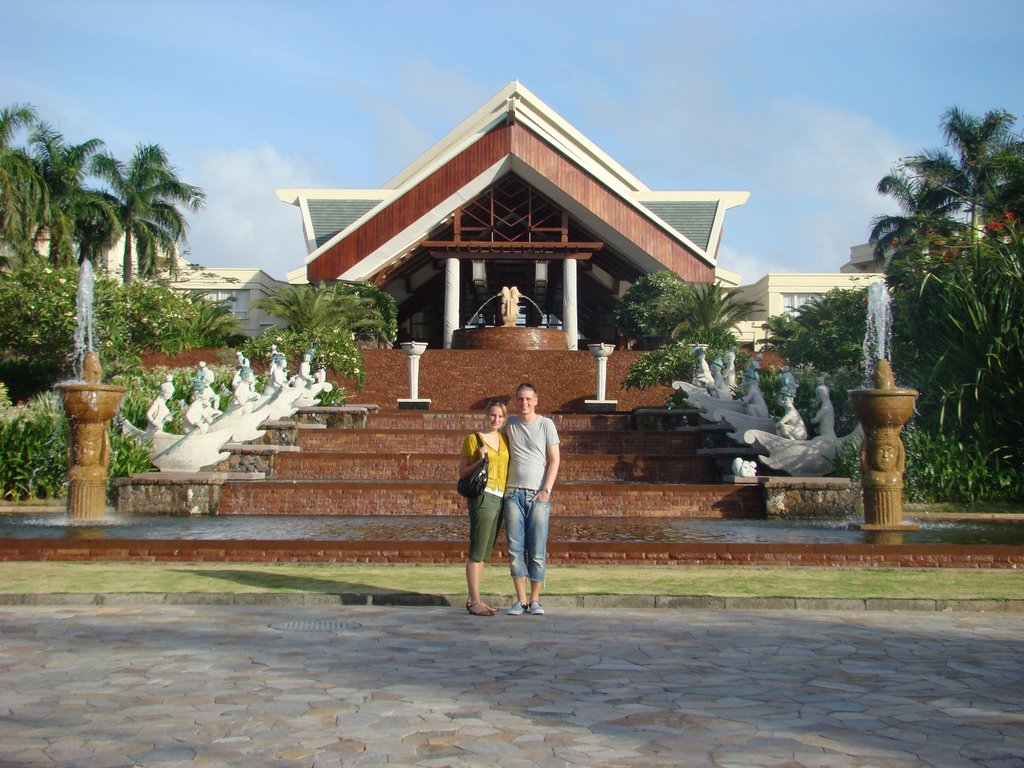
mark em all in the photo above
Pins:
pixel 512 196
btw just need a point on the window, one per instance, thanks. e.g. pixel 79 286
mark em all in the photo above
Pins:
pixel 238 301
pixel 791 302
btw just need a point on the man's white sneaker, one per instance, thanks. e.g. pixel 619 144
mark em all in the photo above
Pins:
pixel 536 609
pixel 517 609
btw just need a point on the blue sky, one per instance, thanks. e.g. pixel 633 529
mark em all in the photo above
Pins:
pixel 803 104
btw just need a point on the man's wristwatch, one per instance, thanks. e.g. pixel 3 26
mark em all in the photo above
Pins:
pixel 547 491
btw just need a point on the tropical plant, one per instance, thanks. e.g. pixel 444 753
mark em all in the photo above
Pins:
pixel 703 309
pixel 971 362
pixel 69 214
pixel 942 191
pixel 20 186
pixel 146 194
pixel 640 313
pixel 38 323
pixel 826 333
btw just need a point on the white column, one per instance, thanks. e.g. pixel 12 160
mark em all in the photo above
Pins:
pixel 414 349
pixel 569 316
pixel 601 353
pixel 451 300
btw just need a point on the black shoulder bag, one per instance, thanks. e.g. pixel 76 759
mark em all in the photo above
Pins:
pixel 473 485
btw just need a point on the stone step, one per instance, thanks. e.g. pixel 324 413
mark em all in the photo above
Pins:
pixel 679 443
pixel 621 468
pixel 346 498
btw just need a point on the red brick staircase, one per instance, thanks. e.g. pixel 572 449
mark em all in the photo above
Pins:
pixel 403 462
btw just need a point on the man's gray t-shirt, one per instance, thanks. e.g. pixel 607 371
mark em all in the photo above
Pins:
pixel 528 445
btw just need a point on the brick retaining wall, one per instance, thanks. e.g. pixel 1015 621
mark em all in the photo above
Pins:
pixel 595 553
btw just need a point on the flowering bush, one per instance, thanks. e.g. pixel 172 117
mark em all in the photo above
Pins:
pixel 37 325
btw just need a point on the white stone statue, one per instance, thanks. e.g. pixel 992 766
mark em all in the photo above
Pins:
pixel 729 368
pixel 202 381
pixel 742 468
pixel 277 375
pixel 824 420
pixel 199 415
pixel 752 399
pixel 702 376
pixel 509 306
pixel 719 389
pixel 789 382
pixel 791 424
pixel 304 377
pixel 245 394
pixel 242 364
pixel 753 367
pixel 159 413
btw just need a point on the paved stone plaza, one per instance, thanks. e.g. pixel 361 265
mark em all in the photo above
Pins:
pixel 148 685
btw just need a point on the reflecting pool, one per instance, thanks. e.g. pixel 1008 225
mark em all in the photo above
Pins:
pixel 562 529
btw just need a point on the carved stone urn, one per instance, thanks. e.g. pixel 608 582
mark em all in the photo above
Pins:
pixel 882 412
pixel 89 406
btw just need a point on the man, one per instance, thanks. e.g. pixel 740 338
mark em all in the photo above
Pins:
pixel 533 467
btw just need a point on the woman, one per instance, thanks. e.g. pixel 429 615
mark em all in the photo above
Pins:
pixel 485 509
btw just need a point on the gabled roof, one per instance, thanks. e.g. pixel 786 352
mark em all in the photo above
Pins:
pixel 693 220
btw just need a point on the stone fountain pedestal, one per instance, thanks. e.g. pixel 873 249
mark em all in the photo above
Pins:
pixel 882 412
pixel 89 406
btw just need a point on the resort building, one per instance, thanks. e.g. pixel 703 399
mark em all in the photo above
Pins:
pixel 513 196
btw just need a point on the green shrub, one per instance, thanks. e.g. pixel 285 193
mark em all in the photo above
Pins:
pixel 942 469
pixel 33 450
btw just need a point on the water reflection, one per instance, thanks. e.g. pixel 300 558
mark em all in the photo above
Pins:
pixel 565 529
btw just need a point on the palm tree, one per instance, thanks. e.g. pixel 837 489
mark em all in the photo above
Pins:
pixel 20 187
pixel 146 193
pixel 924 208
pixel 68 211
pixel 705 309
pixel 940 190
pixel 308 309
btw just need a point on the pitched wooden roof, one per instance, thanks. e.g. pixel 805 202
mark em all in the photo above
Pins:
pixel 354 234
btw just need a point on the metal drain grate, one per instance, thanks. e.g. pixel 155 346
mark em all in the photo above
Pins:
pixel 316 626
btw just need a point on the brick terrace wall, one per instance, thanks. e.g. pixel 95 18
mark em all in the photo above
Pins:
pixel 431 466
pixel 681 443
pixel 624 553
pixel 318 497
pixel 465 379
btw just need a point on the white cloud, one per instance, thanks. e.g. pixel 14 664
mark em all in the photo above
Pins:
pixel 243 223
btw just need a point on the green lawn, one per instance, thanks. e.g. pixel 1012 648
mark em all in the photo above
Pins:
pixel 727 581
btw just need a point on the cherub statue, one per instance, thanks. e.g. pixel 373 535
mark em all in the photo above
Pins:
pixel 729 368
pixel 245 390
pixel 509 306
pixel 198 415
pixel 789 383
pixel 277 376
pixel 702 376
pixel 825 417
pixel 202 381
pixel 159 413
pixel 305 375
pixel 752 399
pixel 791 424
pixel 719 389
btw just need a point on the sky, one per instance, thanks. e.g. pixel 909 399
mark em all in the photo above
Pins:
pixel 805 105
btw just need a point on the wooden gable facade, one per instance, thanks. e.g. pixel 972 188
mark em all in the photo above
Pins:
pixel 512 207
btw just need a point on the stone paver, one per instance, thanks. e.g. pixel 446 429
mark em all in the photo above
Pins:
pixel 262 685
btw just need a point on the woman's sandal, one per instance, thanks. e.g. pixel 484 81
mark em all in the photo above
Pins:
pixel 480 609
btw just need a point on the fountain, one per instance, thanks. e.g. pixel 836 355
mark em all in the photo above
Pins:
pixel 90 406
pixel 882 412
pixel 508 336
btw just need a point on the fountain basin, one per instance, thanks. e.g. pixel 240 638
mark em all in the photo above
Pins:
pixel 89 407
pixel 883 407
pixel 510 338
